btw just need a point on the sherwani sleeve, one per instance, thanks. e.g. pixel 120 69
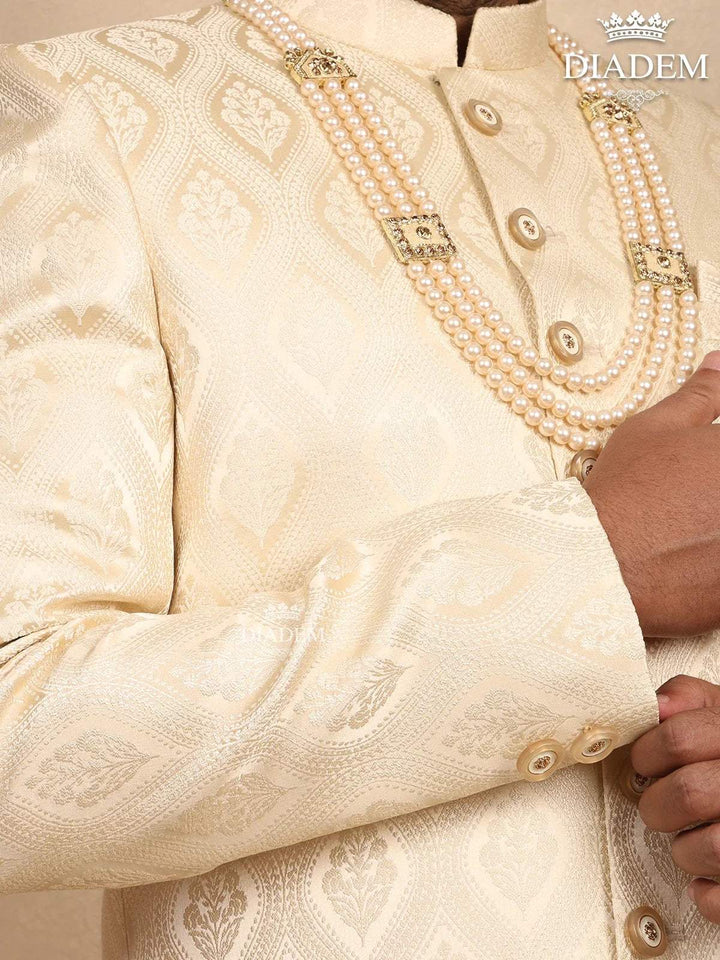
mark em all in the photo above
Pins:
pixel 410 666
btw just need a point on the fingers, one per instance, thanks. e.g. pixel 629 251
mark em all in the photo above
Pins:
pixel 698 851
pixel 685 798
pixel 697 402
pixel 706 894
pixel 682 752
pixel 684 738
pixel 686 693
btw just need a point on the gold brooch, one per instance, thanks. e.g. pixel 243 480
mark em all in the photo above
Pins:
pixel 423 237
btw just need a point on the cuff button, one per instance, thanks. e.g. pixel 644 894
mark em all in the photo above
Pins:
pixel 540 760
pixel 582 464
pixel 645 932
pixel 631 783
pixel 594 744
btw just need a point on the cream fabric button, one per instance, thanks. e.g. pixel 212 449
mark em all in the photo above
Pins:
pixel 526 229
pixel 645 932
pixel 483 117
pixel 540 760
pixel 566 342
pixel 582 463
pixel 594 744
pixel 631 783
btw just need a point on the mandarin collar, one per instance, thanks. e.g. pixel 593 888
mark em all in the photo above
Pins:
pixel 501 38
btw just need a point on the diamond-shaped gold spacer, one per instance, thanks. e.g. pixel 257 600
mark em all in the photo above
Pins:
pixel 609 109
pixel 660 266
pixel 318 65
pixel 423 237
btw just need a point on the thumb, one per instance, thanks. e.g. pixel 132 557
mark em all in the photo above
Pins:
pixel 686 693
pixel 697 402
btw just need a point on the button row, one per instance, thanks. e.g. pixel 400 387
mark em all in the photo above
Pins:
pixel 564 339
pixel 523 224
pixel 542 758
pixel 644 927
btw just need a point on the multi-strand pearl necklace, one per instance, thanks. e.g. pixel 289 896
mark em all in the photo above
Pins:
pixel 664 320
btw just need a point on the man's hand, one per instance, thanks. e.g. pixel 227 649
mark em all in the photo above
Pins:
pixel 684 754
pixel 656 488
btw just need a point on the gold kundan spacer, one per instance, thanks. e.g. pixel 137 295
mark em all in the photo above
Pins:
pixel 317 65
pixel 609 109
pixel 660 267
pixel 423 237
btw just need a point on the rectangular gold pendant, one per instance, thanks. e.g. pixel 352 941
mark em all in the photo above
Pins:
pixel 611 110
pixel 422 237
pixel 318 65
pixel 661 267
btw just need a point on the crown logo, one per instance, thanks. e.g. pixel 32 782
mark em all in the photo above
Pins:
pixel 636 27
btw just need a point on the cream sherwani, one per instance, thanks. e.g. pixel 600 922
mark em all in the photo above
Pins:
pixel 286 591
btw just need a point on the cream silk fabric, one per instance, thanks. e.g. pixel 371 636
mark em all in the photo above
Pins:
pixel 285 589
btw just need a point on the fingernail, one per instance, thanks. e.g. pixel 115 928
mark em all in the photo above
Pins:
pixel 711 361
pixel 691 892
pixel 663 698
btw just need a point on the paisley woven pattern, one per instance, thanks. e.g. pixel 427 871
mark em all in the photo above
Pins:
pixel 285 590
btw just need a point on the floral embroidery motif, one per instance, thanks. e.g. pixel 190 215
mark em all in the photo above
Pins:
pixel 147 44
pixel 603 631
pixel 216 908
pixel 541 499
pixel 406 431
pixel 465 574
pixel 95 512
pixel 372 691
pixel 358 884
pixel 79 257
pixel 126 120
pixel 501 717
pixel 213 218
pixel 87 770
pixel 52 56
pixel 260 502
pixel 237 805
pixel 352 695
pixel 255 117
pixel 520 853
pixel 473 222
pixel 22 396
pixel 323 336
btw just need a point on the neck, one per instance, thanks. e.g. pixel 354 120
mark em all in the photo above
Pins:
pixel 463 12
